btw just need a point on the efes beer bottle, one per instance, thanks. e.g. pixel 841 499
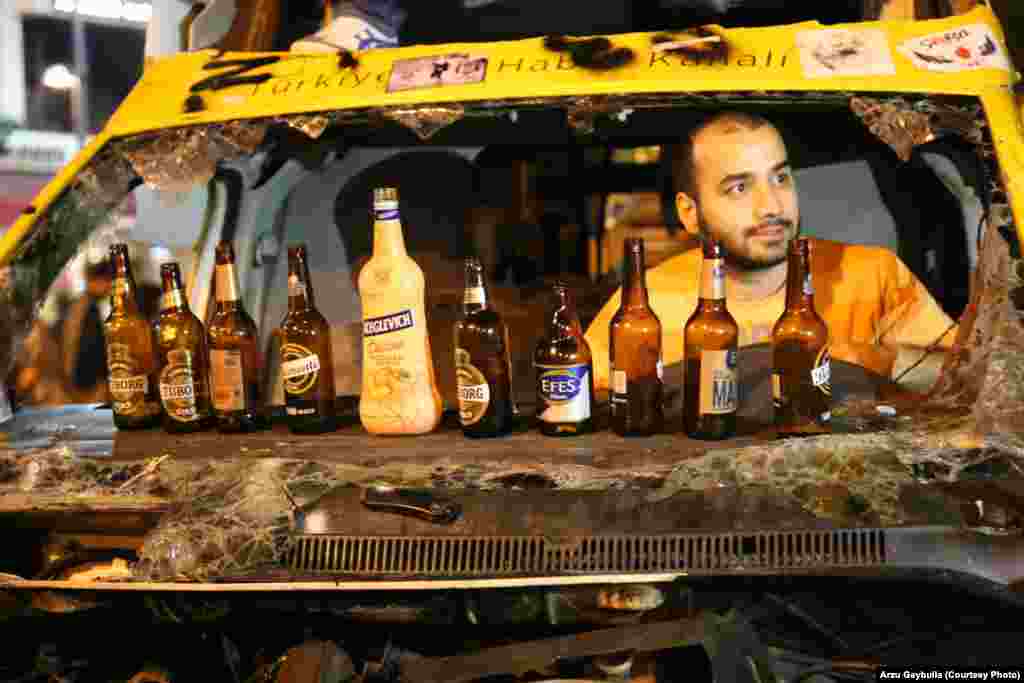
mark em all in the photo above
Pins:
pixel 234 354
pixel 801 378
pixel 131 352
pixel 710 338
pixel 184 373
pixel 483 369
pixel 635 354
pixel 565 376
pixel 399 393
pixel 307 363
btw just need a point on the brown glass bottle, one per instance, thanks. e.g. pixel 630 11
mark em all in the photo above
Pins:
pixel 565 373
pixel 635 354
pixel 710 338
pixel 307 361
pixel 184 368
pixel 483 366
pixel 801 377
pixel 234 353
pixel 131 352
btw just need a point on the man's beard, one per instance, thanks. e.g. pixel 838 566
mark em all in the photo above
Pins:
pixel 742 262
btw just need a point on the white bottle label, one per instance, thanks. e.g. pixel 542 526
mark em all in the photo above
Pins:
pixel 718 391
pixel 619 381
pixel 227 380
pixel 564 392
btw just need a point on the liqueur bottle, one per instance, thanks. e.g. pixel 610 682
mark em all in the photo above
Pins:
pixel 399 393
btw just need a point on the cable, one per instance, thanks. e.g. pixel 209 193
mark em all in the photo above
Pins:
pixel 928 349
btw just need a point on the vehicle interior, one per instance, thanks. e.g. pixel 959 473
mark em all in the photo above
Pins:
pixel 546 203
pixel 538 198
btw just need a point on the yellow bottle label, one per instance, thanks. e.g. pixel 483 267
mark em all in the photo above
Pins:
pixel 718 388
pixel 300 368
pixel 129 385
pixel 178 386
pixel 474 392
pixel 227 379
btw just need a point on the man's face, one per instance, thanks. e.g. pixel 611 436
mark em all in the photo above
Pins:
pixel 746 196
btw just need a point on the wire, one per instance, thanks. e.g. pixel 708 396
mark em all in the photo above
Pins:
pixel 928 349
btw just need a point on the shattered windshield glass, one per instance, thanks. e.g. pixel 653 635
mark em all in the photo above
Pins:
pixel 233 511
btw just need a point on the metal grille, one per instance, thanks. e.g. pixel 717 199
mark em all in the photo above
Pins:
pixel 496 556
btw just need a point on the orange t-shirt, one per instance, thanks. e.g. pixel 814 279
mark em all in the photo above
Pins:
pixel 869 299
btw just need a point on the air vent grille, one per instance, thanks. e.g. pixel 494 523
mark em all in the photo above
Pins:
pixel 496 556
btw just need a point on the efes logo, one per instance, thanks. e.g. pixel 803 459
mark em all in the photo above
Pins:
pixel 730 359
pixel 562 385
pixel 821 373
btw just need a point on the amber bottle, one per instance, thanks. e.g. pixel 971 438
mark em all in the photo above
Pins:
pixel 234 353
pixel 483 368
pixel 131 352
pixel 565 374
pixel 307 361
pixel 710 339
pixel 635 354
pixel 801 375
pixel 184 362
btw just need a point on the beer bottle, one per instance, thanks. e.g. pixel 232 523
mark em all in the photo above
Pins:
pixel 483 367
pixel 399 393
pixel 307 362
pixel 565 376
pixel 131 352
pixel 234 354
pixel 710 337
pixel 184 374
pixel 635 353
pixel 801 377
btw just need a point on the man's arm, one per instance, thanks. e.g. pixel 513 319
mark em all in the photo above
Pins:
pixel 914 326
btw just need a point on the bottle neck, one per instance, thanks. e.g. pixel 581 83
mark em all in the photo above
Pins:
pixel 300 294
pixel 228 298
pixel 173 300
pixel 388 240
pixel 634 286
pixel 474 297
pixel 564 322
pixel 712 282
pixel 122 293
pixel 799 287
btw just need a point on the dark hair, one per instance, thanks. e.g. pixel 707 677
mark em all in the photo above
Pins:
pixel 684 166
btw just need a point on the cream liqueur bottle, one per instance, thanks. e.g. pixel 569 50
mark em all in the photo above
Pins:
pixel 399 392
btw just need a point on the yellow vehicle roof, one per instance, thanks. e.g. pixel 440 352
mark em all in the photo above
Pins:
pixel 961 55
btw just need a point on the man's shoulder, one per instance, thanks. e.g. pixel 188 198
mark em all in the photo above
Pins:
pixel 852 258
pixel 680 272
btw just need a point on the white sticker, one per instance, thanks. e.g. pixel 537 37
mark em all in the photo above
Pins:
pixel 619 381
pixel 434 72
pixel 965 48
pixel 822 374
pixel 843 52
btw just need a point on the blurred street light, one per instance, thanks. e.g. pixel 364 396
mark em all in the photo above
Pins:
pixel 59 77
